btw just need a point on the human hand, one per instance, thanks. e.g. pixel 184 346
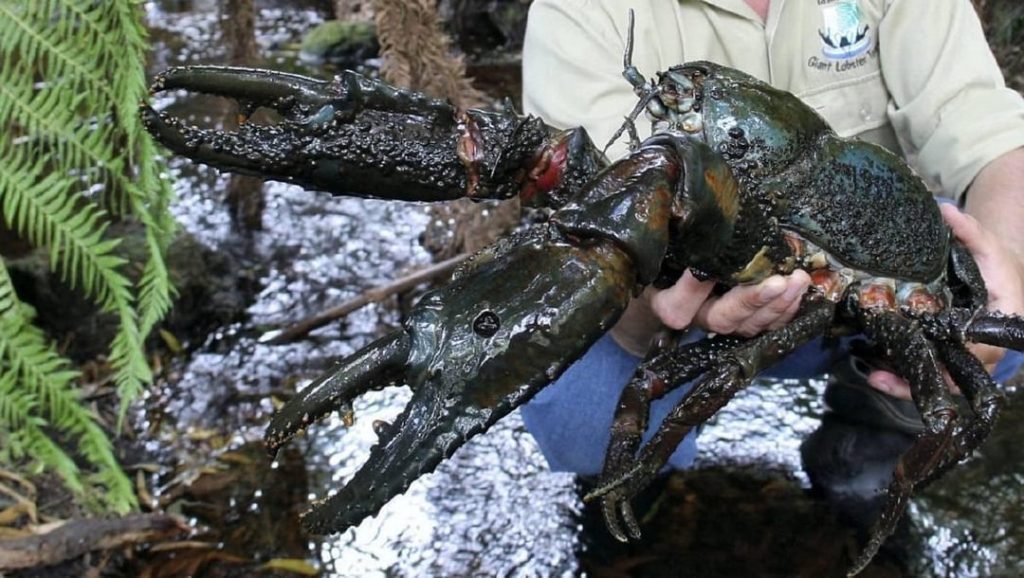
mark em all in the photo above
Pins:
pixel 744 310
pixel 1004 278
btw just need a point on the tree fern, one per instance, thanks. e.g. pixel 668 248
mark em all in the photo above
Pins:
pixel 74 157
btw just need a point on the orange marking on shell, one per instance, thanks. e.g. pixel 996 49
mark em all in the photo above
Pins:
pixel 877 296
pixel 921 301
pixel 551 176
pixel 657 387
pixel 828 282
pixel 726 191
pixel 469 151
pixel 796 244
pixel 547 171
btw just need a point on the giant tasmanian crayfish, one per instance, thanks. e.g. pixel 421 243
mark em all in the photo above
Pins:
pixel 739 181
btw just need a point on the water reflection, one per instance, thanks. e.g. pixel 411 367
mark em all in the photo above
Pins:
pixel 494 509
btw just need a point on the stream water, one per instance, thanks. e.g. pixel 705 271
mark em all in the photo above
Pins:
pixel 494 509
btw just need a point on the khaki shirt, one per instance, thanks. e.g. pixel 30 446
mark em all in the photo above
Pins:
pixel 916 76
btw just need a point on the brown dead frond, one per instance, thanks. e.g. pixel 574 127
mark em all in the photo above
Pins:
pixel 417 54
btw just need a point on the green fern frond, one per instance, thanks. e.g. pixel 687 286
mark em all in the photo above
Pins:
pixel 154 299
pixel 17 406
pixel 38 205
pixel 36 385
pixel 76 157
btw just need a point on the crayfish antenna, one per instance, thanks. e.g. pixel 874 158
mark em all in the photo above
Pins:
pixel 630 72
pixel 647 91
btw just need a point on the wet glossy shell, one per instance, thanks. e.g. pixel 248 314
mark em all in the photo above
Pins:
pixel 856 200
pixel 868 209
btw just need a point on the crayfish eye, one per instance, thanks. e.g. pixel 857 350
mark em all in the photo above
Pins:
pixel 679 82
pixel 656 108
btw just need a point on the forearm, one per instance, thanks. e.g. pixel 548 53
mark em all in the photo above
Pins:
pixel 996 200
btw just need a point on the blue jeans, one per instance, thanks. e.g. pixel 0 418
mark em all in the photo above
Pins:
pixel 571 418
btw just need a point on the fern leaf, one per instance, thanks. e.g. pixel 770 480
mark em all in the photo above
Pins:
pixel 75 155
pixel 36 385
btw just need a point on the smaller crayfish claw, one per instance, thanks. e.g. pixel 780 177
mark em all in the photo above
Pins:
pixel 287 150
pixel 355 136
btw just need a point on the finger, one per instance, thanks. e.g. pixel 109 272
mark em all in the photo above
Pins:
pixel 788 316
pixel 978 242
pixel 889 384
pixel 677 305
pixel 778 311
pixel 751 309
pixel 968 230
pixel 724 314
pixel 988 355
pixel 1002 271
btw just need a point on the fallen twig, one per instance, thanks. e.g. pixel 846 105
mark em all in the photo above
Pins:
pixel 22 505
pixel 76 537
pixel 373 295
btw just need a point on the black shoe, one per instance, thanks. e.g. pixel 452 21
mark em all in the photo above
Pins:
pixel 849 395
pixel 850 458
pixel 850 465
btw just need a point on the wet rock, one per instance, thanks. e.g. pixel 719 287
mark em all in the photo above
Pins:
pixel 211 292
pixel 346 44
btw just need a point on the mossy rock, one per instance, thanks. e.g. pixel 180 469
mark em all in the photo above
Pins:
pixel 212 290
pixel 341 43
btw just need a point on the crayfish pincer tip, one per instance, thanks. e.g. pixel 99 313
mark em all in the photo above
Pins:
pixel 273 440
pixel 150 117
pixel 272 450
pixel 159 83
pixel 862 562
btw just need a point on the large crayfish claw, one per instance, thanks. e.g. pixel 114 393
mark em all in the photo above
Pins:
pixel 509 323
pixel 359 137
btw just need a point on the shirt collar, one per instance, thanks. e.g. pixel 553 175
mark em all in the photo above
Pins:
pixel 738 7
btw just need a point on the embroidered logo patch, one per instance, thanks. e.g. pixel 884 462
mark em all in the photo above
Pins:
pixel 844 34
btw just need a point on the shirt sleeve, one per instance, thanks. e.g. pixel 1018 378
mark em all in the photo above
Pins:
pixel 950 105
pixel 572 69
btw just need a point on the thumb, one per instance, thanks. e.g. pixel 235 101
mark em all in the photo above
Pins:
pixel 677 305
